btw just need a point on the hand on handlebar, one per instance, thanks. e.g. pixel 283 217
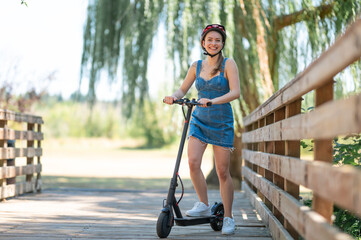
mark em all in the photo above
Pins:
pixel 205 102
pixel 169 100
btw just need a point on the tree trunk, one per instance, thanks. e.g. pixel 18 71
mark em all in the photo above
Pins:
pixel 266 80
pixel 236 162
pixel 235 167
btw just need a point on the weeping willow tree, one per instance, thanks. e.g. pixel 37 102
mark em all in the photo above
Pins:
pixel 271 41
pixel 115 30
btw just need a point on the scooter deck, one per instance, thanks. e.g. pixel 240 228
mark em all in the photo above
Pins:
pixel 187 221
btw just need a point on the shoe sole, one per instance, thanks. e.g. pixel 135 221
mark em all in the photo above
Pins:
pixel 228 233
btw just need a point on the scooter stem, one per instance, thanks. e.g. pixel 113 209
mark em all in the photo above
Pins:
pixel 173 184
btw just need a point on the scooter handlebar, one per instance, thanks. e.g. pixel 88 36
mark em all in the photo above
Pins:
pixel 186 101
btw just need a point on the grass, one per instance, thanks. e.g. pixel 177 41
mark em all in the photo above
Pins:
pixel 51 182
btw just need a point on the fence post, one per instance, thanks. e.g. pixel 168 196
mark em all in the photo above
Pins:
pixel 260 169
pixel 30 160
pixel 279 149
pixel 269 148
pixel 323 151
pixel 292 149
pixel 10 162
pixel 38 182
pixel 3 162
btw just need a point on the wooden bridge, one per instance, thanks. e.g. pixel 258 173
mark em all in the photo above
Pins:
pixel 273 172
pixel 112 214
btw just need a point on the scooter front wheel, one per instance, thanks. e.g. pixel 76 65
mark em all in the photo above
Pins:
pixel 218 211
pixel 163 227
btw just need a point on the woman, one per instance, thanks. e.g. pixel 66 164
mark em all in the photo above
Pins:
pixel 216 80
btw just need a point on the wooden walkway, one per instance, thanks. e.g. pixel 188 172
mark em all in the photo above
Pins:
pixel 107 214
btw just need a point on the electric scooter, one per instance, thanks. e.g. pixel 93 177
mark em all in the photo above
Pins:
pixel 166 218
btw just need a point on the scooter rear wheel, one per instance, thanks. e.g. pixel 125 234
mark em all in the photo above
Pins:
pixel 163 228
pixel 218 211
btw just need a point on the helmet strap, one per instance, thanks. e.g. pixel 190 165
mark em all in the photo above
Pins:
pixel 211 55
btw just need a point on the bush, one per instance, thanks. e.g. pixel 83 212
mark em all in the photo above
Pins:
pixel 74 119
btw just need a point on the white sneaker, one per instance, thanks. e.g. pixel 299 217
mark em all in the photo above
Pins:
pixel 228 226
pixel 199 210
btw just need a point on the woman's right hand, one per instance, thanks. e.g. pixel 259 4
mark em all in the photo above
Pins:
pixel 169 99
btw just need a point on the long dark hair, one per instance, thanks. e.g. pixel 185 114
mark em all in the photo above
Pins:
pixel 218 65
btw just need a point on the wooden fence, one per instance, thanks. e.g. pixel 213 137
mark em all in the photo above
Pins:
pixel 20 145
pixel 273 170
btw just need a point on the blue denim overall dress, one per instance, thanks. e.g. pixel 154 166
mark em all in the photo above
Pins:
pixel 214 124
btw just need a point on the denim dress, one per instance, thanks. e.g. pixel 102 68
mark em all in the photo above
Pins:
pixel 214 124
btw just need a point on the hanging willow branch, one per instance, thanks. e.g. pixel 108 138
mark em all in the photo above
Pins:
pixel 115 29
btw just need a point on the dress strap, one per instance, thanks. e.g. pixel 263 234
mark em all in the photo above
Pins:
pixel 199 65
pixel 223 66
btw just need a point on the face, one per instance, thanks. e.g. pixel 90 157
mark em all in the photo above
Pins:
pixel 213 42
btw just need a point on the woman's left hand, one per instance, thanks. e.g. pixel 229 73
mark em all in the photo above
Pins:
pixel 204 102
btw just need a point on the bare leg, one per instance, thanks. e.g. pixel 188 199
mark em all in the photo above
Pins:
pixel 195 153
pixel 222 161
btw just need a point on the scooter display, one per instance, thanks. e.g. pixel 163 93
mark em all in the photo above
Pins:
pixel 171 211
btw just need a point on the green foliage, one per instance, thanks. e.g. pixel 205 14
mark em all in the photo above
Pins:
pixel 307 145
pixel 348 222
pixel 347 151
pixel 114 29
pixel 156 123
pixel 71 119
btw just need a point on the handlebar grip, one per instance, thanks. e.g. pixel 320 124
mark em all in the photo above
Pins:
pixel 174 101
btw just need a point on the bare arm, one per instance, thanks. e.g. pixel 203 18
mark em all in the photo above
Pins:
pixel 186 85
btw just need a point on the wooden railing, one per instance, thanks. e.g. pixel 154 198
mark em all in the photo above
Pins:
pixel 20 146
pixel 273 171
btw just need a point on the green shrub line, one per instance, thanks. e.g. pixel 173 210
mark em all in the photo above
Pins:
pixel 156 125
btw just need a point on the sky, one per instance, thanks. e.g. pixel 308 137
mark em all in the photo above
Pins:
pixel 45 39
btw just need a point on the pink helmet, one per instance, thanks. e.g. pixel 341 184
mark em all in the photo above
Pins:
pixel 213 27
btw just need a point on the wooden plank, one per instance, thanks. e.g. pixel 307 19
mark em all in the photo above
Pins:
pixel 17 189
pixel 291 168
pixel 113 214
pixel 315 176
pixel 10 134
pixel 327 121
pixel 331 184
pixel 276 228
pixel 14 171
pixel 6 153
pixel 20 117
pixel 308 223
pixel 341 54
